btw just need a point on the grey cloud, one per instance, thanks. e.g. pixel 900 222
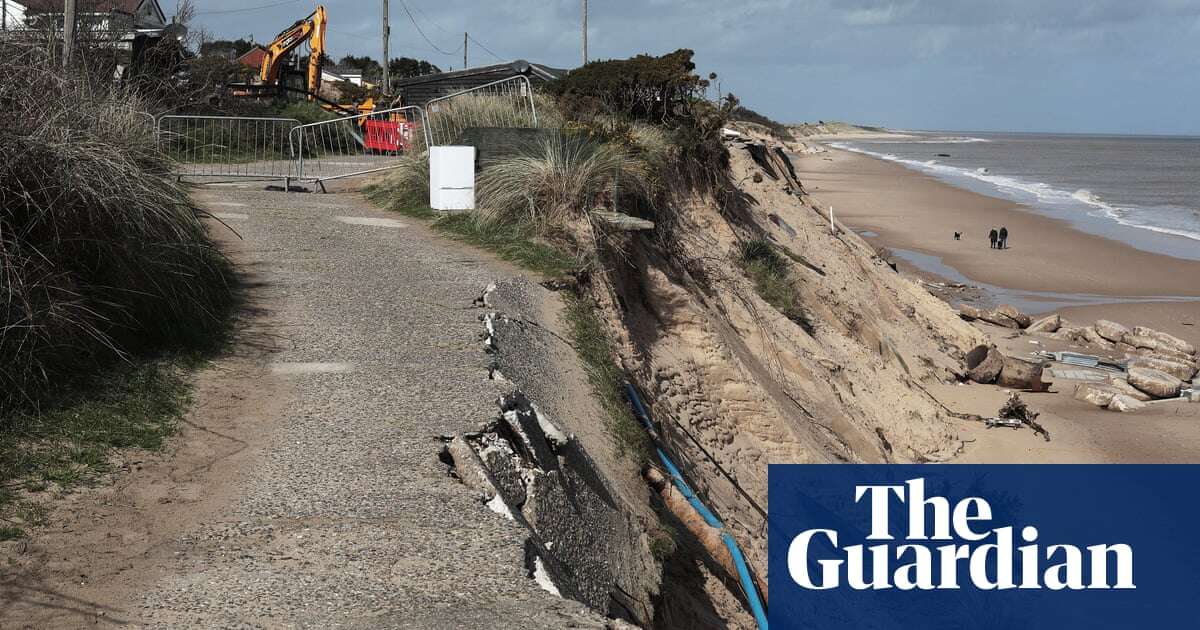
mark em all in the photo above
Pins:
pixel 914 63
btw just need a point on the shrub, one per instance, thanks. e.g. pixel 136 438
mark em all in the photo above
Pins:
pixel 305 112
pixel 772 277
pixel 562 177
pixel 101 253
pixel 777 129
pixel 645 87
pixel 662 91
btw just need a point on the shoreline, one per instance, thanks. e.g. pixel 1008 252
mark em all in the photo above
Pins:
pixel 1050 266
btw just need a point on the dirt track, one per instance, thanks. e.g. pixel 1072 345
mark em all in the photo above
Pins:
pixel 304 489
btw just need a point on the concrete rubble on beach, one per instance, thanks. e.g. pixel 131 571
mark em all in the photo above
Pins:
pixel 1142 365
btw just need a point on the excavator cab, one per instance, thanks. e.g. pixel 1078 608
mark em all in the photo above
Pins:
pixel 310 29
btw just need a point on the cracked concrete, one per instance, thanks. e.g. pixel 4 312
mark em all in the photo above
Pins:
pixel 333 510
pixel 349 520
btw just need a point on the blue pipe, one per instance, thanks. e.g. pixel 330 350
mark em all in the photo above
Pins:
pixel 739 561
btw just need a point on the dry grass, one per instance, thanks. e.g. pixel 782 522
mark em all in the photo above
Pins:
pixel 405 188
pixel 448 119
pixel 560 179
pixel 101 254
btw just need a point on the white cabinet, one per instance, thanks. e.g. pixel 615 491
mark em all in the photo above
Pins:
pixel 452 178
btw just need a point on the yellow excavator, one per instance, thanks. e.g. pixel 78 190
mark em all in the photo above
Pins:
pixel 311 29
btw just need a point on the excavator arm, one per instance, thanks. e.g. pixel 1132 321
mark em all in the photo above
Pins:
pixel 310 29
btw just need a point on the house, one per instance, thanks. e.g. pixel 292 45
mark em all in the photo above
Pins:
pixel 117 18
pixel 342 73
pixel 421 90
pixel 127 28
pixel 12 15
pixel 253 58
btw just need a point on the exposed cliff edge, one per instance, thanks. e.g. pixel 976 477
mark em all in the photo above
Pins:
pixel 737 383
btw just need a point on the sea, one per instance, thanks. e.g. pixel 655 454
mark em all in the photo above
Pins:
pixel 1141 190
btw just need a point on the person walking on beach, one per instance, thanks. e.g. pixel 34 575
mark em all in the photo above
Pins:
pixel 993 236
pixel 1003 238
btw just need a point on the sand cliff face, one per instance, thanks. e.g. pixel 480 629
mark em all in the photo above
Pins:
pixel 736 385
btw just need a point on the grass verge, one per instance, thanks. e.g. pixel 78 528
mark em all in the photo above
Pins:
pixel 591 343
pixel 772 277
pixel 70 442
pixel 511 242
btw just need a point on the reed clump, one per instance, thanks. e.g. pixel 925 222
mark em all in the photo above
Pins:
pixel 102 255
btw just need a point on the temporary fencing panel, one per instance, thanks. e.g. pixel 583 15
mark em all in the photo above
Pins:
pixel 229 146
pixel 505 103
pixel 357 145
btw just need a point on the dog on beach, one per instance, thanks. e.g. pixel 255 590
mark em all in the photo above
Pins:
pixel 958 236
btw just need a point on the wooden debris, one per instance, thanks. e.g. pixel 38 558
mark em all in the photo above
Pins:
pixel 1016 409
pixel 622 222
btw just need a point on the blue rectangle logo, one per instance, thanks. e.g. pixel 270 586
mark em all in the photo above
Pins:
pixel 983 547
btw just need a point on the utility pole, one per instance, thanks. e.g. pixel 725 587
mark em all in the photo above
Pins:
pixel 387 35
pixel 465 36
pixel 68 31
pixel 4 17
pixel 585 17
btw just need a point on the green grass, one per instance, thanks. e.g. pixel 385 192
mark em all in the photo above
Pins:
pixel 772 277
pixel 590 339
pixel 514 243
pixel 70 442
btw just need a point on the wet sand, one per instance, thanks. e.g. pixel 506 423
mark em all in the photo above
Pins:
pixel 1049 266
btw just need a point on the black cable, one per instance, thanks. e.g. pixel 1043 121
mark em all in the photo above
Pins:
pixel 422 33
pixel 485 48
pixel 431 20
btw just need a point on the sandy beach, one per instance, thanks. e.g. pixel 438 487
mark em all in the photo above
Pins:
pixel 1049 266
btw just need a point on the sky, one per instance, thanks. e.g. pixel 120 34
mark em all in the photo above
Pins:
pixel 1073 66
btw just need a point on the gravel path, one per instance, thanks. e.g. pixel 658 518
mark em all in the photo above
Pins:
pixel 347 519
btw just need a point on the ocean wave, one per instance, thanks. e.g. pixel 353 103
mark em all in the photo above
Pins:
pixel 928 140
pixel 1132 216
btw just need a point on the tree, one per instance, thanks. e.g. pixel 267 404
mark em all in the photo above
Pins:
pixel 230 49
pixel 403 67
pixel 371 70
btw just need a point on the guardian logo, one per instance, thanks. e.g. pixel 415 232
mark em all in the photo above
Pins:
pixel 909 564
pixel 982 547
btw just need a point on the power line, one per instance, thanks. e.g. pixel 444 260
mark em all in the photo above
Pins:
pixel 248 9
pixel 431 20
pixel 441 28
pixel 485 48
pixel 423 36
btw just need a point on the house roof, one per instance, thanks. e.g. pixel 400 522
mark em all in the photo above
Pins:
pixel 344 71
pixel 253 57
pixel 56 6
pixel 124 6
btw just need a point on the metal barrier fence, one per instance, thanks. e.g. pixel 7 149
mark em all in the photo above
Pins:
pixel 357 145
pixel 226 146
pixel 504 103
